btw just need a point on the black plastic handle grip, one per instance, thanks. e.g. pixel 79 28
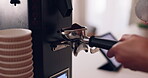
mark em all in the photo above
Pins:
pixel 101 43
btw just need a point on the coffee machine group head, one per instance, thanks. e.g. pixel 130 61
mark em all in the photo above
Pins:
pixel 76 37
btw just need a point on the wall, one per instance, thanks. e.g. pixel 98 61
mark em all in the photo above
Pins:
pixel 79 9
pixel 106 15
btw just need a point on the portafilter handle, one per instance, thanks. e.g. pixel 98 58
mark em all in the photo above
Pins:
pixel 101 43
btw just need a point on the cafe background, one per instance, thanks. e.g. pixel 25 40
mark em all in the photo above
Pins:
pixel 115 16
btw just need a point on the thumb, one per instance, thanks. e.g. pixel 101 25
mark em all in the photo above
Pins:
pixel 125 37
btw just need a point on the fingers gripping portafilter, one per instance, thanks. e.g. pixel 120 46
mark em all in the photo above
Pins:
pixel 75 36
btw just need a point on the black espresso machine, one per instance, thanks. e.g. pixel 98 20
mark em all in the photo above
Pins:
pixel 44 18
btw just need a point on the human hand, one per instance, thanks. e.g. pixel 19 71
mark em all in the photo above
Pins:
pixel 131 52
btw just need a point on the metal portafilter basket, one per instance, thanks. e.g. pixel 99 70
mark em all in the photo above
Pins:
pixel 78 40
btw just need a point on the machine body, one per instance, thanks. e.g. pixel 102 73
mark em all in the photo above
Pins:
pixel 44 18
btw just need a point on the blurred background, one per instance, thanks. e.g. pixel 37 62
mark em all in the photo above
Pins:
pixel 106 15
pixel 102 16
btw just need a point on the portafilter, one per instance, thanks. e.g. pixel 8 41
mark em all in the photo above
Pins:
pixel 76 35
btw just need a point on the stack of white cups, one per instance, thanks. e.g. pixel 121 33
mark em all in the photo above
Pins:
pixel 16 53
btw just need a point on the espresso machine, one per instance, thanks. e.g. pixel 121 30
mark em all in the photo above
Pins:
pixel 44 18
pixel 54 37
